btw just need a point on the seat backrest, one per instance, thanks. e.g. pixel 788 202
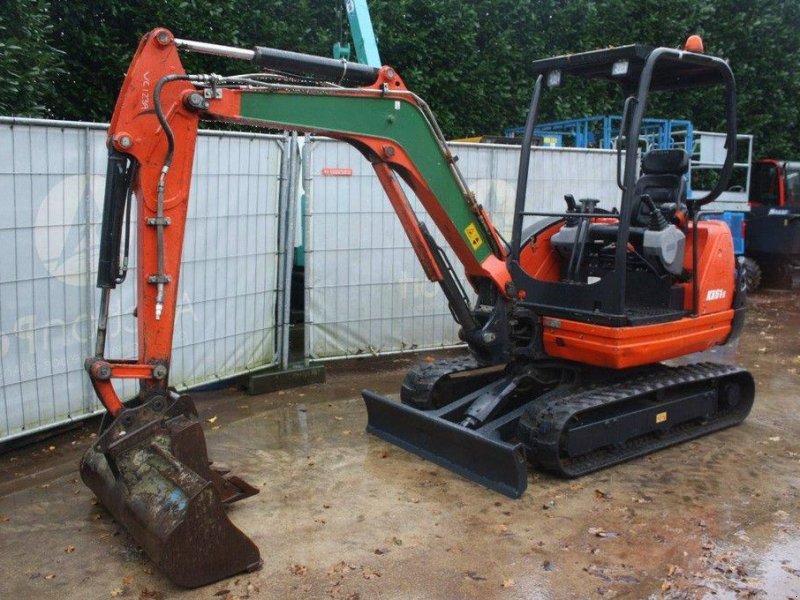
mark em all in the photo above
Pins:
pixel 662 179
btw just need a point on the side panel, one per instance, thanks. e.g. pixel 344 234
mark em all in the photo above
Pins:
pixel 716 267
pixel 621 348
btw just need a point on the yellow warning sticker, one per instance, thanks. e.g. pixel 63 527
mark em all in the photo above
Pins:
pixel 661 417
pixel 473 236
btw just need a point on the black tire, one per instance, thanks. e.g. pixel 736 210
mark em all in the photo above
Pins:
pixel 752 274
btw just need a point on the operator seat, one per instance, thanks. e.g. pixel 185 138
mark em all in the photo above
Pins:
pixel 663 180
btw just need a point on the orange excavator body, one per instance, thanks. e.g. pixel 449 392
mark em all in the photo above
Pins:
pixel 553 316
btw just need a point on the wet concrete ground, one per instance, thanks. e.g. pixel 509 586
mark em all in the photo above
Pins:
pixel 344 515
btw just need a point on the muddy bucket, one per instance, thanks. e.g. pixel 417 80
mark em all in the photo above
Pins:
pixel 150 470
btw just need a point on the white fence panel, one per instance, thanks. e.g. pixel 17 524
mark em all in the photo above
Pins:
pixel 53 174
pixel 366 292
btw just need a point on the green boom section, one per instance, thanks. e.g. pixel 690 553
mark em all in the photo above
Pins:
pixel 380 117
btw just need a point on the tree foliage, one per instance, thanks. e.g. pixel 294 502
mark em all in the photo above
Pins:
pixel 29 66
pixel 470 60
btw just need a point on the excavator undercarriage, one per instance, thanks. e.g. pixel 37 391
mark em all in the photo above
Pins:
pixel 569 428
pixel 573 318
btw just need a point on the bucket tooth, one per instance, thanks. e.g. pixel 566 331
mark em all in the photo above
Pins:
pixel 151 472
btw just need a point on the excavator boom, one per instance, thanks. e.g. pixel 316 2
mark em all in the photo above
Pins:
pixel 150 467
pixel 566 336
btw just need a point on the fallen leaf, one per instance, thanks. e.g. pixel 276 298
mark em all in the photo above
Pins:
pixel 608 534
pixel 380 551
pixel 776 438
pixel 69 549
pixel 428 359
pixel 369 574
pixel 601 495
pixel 212 420
pixel 602 533
pixel 549 505
pixel 5 519
pixel 155 594
pixel 346 432
pixel 50 576
pixel 338 418
pixel 51 448
pixel 116 592
pixel 222 593
pixel 298 569
pixel 507 583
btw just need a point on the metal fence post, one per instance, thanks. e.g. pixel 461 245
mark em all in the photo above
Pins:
pixel 281 291
pixel 89 400
pixel 307 167
pixel 286 242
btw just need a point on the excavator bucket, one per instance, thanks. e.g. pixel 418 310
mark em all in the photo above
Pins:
pixel 150 470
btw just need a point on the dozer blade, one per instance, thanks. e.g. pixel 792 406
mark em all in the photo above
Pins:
pixel 150 469
pixel 480 455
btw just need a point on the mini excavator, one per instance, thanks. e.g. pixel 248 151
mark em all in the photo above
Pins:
pixel 573 318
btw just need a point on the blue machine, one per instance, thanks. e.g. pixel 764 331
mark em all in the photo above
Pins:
pixel 600 131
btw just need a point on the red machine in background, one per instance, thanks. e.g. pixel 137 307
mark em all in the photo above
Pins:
pixel 773 223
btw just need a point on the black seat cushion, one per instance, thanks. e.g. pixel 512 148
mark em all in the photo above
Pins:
pixel 662 179
pixel 665 162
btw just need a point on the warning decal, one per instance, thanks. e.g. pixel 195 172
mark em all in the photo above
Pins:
pixel 473 236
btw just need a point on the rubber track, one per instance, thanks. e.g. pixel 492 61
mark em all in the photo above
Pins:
pixel 544 423
pixel 422 378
